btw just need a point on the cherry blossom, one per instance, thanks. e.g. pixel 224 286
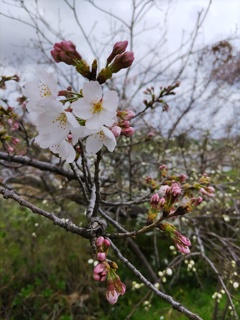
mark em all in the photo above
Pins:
pixel 40 93
pixel 96 109
pixel 65 151
pixel 54 124
pixel 96 141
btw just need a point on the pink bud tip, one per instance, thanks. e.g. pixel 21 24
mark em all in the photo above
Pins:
pixel 116 130
pixel 99 241
pixel 128 132
pixel 101 256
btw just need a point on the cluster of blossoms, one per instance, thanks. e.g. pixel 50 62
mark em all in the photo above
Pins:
pixel 8 124
pixel 175 197
pixel 8 119
pixel 106 270
pixel 63 117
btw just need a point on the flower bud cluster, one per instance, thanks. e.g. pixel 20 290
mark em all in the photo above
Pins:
pixel 87 113
pixel 156 99
pixel 117 60
pixel 175 197
pixel 66 52
pixel 8 125
pixel 181 242
pixel 106 270
pixel 123 125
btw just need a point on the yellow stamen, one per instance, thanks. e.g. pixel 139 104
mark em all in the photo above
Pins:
pixel 62 121
pixel 44 90
pixel 97 106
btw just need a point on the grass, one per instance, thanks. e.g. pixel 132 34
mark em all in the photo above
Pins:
pixel 45 275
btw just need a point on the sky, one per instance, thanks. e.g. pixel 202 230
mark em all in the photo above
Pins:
pixel 176 17
pixel 222 20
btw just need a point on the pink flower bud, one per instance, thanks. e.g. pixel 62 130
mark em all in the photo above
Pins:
pixel 69 137
pixel 118 48
pixel 196 201
pixel 163 167
pixel 106 244
pixel 65 51
pixel 124 124
pixel 164 189
pixel 15 140
pixel 208 191
pixel 101 256
pixel 182 178
pixel 112 296
pixel 181 238
pixel 181 248
pixel 128 132
pixel 99 241
pixel 162 201
pixel 100 267
pixel 10 149
pixel 151 134
pixel 122 61
pixel 116 130
pixel 114 288
pixel 175 189
pixel 154 200
pixel 96 276
pixel 126 114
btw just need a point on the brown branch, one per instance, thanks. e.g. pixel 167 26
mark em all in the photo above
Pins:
pixel 175 305
pixel 62 223
pixel 41 165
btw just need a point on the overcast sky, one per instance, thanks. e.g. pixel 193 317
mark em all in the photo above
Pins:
pixel 222 21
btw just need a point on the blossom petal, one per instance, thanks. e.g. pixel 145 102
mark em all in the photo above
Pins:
pixel 107 118
pixel 112 296
pixel 72 120
pixel 82 108
pixel 110 101
pixel 67 152
pixel 93 143
pixel 94 123
pixel 92 90
pixel 110 144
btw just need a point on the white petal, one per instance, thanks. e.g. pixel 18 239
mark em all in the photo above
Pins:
pixel 3 104
pixel 94 123
pixel 110 100
pixel 67 152
pixel 43 140
pixel 55 148
pixel 78 133
pixel 93 144
pixel 110 144
pixel 72 120
pixel 48 79
pixel 82 108
pixel 31 91
pixel 108 133
pixel 92 90
pixel 107 118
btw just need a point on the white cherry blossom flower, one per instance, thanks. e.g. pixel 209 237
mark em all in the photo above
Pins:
pixel 96 140
pixel 65 151
pixel 96 109
pixel 40 93
pixel 54 124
